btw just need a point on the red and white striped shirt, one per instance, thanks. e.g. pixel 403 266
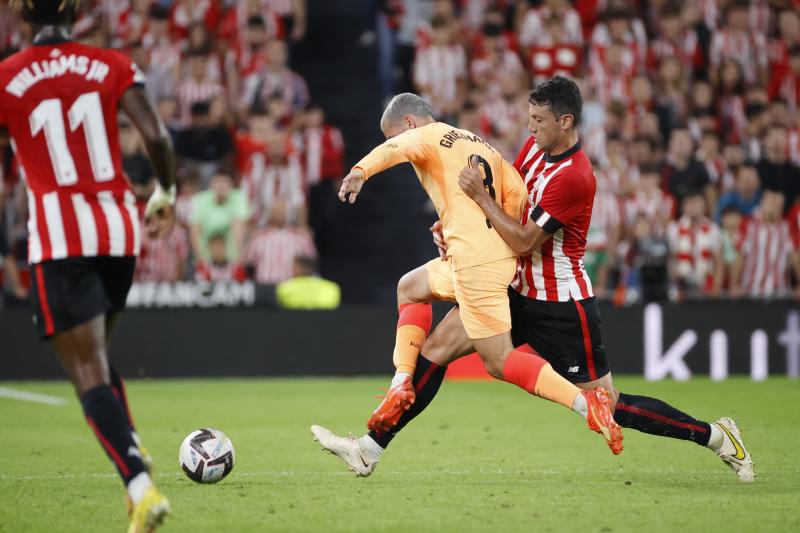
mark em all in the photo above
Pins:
pixel 747 49
pixel 272 252
pixel 561 194
pixel 219 272
pixel 163 259
pixel 766 249
pixel 323 153
pixel 695 246
pixel 60 105
pixel 437 70
pixel 191 91
pixel 658 207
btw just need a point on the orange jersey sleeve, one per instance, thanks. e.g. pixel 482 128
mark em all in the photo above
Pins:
pixel 408 147
pixel 438 153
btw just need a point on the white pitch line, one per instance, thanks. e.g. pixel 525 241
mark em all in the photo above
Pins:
pixel 26 396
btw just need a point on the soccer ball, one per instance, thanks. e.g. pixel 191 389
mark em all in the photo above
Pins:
pixel 207 455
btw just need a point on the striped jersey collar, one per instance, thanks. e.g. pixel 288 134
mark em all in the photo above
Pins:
pixel 560 157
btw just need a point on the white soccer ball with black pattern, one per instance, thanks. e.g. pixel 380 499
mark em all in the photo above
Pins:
pixel 207 455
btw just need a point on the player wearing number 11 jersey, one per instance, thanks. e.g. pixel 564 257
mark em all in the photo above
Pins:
pixel 59 101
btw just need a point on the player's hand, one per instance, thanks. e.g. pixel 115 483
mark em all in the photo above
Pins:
pixel 438 239
pixel 351 186
pixel 19 292
pixel 159 224
pixel 471 182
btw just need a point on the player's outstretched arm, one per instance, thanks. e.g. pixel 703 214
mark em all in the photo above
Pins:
pixel 159 215
pixel 404 148
pixel 524 240
pixel 142 112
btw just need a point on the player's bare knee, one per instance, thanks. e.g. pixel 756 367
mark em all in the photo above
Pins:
pixel 494 365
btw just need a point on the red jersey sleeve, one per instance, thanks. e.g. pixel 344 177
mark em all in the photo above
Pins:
pixel 562 199
pixel 128 73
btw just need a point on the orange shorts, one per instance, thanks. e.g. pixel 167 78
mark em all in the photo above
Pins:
pixel 481 292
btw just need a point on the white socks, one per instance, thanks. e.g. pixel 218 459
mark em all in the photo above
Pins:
pixel 370 448
pixel 716 439
pixel 399 377
pixel 580 406
pixel 138 486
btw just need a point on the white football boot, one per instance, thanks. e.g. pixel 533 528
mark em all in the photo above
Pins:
pixel 732 452
pixel 347 449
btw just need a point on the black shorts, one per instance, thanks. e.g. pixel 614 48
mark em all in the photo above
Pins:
pixel 566 334
pixel 69 292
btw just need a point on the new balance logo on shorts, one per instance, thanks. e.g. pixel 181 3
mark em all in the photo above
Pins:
pixel 573 369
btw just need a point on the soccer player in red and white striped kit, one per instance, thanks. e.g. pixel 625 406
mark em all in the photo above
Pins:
pixel 553 308
pixel 59 105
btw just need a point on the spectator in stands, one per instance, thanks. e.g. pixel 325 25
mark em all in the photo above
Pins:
pixel 601 241
pixel 731 236
pixel 494 60
pixel 163 259
pixel 736 42
pixel 708 153
pixel 440 71
pixel 275 79
pixel 648 258
pixel 694 242
pixel 198 85
pixel 221 209
pixel 767 252
pixel 205 144
pixel 306 290
pixel 534 25
pixel 675 39
pixel 14 288
pixel 272 250
pixel 323 147
pixel 746 196
pixel 775 169
pixel 681 173
pixel 650 201
pixel 275 174
pixel 292 15
pixel 219 268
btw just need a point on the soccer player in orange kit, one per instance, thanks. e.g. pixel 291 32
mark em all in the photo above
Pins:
pixel 476 274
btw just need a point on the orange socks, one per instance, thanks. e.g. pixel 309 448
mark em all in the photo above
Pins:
pixel 412 330
pixel 524 368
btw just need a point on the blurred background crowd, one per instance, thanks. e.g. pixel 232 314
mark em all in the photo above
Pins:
pixel 690 118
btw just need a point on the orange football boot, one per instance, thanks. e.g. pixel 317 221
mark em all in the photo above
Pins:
pixel 600 419
pixel 396 402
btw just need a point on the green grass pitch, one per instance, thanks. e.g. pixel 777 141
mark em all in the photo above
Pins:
pixel 484 457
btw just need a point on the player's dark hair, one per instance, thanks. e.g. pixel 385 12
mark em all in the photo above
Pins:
pixel 730 209
pixel 561 95
pixel 307 263
pixel 492 29
pixel 748 163
pixel 256 21
pixel 200 109
pixel 439 22
pixel 693 192
pixel 158 12
pixel 46 12
pixel 649 168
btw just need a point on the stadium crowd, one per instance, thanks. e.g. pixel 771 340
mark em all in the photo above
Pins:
pixel 254 152
pixel 690 118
